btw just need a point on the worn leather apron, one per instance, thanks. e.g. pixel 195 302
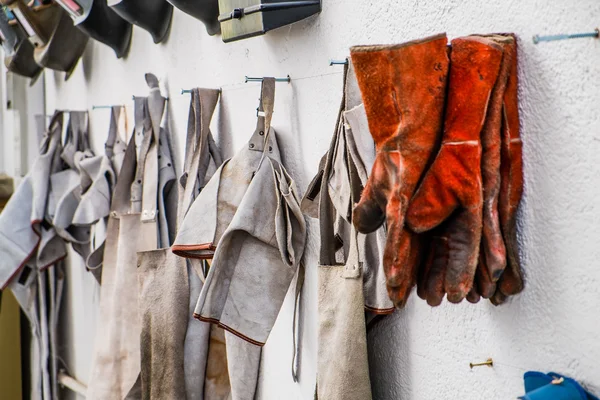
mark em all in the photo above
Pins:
pixel 174 347
pixel 36 286
pixel 350 275
pixel 139 221
pixel 352 153
pixel 65 186
pixel 102 172
pixel 248 220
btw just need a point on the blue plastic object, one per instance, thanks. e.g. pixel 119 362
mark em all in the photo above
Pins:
pixel 553 386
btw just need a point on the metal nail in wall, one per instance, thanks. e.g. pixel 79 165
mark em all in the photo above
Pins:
pixel 550 38
pixel 338 62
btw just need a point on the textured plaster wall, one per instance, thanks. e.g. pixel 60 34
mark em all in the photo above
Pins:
pixel 419 353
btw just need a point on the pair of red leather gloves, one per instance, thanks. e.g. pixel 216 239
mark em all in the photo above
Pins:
pixel 451 217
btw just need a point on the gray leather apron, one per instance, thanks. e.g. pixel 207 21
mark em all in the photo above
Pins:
pixel 350 275
pixel 101 173
pixel 248 220
pixel 139 221
pixel 36 281
pixel 174 347
pixel 351 156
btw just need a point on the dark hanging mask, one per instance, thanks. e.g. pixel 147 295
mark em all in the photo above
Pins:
pixel 152 15
pixel 241 19
pixel 57 43
pixel 206 11
pixel 18 52
pixel 100 22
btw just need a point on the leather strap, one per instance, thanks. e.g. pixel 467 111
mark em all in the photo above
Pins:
pixel 197 153
pixel 296 317
pixel 117 118
pixel 265 114
pixel 326 210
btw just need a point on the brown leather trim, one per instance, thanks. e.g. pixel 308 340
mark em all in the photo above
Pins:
pixel 228 329
pixel 380 311
pixel 185 250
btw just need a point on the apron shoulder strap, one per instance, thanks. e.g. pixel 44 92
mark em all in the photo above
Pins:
pixel 261 140
pixel 326 209
pixel 117 119
pixel 202 107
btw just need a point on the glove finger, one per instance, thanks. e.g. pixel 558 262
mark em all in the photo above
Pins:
pixel 473 297
pixel 368 215
pixel 485 286
pixel 401 255
pixel 464 238
pixel 498 298
pixel 423 274
pixel 511 281
pixel 437 272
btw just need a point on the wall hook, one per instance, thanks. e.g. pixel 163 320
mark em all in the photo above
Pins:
pixel 489 362
pixel 184 91
pixel 550 38
pixel 251 79
pixel 99 107
pixel 338 62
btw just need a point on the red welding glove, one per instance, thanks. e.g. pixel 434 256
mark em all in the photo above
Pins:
pixel 403 89
pixel 452 189
pixel 511 189
pixel 492 258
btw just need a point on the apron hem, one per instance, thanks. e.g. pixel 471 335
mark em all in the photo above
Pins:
pixel 228 329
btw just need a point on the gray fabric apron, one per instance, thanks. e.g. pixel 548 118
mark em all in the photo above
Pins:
pixel 248 220
pixel 98 175
pixel 66 189
pixel 174 347
pixel 141 206
pixel 351 156
pixel 350 276
pixel 24 225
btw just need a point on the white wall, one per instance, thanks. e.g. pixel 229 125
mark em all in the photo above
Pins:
pixel 420 352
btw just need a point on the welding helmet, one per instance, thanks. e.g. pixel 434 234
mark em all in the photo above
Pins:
pixel 206 11
pixel 151 15
pixel 57 43
pixel 100 22
pixel 18 52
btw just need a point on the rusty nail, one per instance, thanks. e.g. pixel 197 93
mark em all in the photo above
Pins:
pixel 489 362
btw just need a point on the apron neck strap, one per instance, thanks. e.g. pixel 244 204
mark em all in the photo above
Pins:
pixel 117 126
pixel 156 104
pixel 326 209
pixel 265 114
pixel 202 107
pixel 267 102
pixel 75 136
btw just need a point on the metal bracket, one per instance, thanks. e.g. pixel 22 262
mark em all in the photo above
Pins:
pixel 239 13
